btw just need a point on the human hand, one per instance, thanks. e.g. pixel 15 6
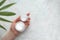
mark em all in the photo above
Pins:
pixel 13 33
pixel 27 22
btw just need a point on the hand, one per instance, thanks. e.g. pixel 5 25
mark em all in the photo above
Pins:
pixel 17 20
pixel 13 33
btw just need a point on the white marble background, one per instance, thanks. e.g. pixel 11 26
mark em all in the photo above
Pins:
pixel 45 19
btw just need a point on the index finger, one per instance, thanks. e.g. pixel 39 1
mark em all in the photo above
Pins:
pixel 16 20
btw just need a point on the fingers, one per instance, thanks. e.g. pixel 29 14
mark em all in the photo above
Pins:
pixel 28 19
pixel 16 20
pixel 27 23
pixel 28 14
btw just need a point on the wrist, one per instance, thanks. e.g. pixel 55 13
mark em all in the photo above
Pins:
pixel 9 36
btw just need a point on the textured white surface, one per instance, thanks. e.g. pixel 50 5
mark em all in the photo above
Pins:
pixel 45 19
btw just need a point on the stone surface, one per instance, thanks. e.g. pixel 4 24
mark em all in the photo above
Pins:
pixel 45 19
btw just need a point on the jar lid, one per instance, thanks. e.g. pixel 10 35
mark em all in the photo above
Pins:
pixel 20 26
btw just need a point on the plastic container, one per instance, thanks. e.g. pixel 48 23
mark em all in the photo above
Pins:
pixel 24 18
pixel 20 26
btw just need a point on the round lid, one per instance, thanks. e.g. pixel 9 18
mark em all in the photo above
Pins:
pixel 20 26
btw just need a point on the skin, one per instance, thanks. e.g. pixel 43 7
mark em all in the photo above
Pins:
pixel 12 33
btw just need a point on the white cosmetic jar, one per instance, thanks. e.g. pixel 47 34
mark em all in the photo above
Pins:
pixel 24 18
pixel 20 26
